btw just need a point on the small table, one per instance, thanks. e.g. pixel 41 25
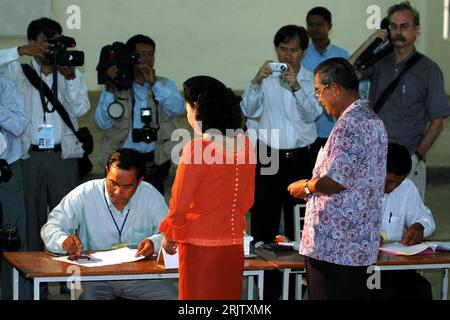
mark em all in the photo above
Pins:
pixel 291 262
pixel 40 267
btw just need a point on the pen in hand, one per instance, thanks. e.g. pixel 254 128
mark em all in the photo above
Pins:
pixel 73 245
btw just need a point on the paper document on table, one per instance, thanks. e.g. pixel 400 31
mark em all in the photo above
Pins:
pixel 168 261
pixel 404 250
pixel 106 258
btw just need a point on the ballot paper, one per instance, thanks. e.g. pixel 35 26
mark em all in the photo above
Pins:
pixel 397 248
pixel 105 258
pixel 166 260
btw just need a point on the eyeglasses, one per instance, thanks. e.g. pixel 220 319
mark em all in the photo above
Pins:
pixel 319 92
pixel 402 27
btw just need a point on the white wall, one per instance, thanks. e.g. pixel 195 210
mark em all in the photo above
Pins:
pixel 228 39
pixel 438 48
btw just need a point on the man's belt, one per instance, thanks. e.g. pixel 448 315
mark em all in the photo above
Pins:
pixel 35 148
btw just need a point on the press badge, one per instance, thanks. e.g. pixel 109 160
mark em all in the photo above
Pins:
pixel 119 246
pixel 45 138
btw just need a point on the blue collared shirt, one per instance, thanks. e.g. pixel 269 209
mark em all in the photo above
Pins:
pixel 167 95
pixel 13 120
pixel 311 59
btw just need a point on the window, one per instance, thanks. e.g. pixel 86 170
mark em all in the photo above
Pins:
pixel 446 33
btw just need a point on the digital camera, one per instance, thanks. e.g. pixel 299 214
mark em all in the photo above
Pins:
pixel 278 67
pixel 148 133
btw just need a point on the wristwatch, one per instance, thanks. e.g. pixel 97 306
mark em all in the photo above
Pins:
pixel 307 191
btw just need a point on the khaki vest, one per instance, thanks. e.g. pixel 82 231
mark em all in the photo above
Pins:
pixel 115 137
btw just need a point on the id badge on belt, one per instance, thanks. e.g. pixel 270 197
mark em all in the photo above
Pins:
pixel 45 137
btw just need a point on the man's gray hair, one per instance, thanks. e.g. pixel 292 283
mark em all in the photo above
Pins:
pixel 405 6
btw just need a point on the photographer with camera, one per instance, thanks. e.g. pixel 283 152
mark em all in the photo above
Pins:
pixel 407 91
pixel 50 148
pixel 137 108
pixel 13 122
pixel 284 101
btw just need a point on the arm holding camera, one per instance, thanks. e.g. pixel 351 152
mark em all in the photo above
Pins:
pixel 290 77
pixel 251 104
pixel 34 49
pixel 75 95
pixel 102 118
pixel 263 72
pixel 169 97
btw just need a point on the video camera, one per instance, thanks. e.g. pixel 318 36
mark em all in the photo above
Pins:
pixel 117 55
pixel 148 133
pixel 59 54
pixel 376 51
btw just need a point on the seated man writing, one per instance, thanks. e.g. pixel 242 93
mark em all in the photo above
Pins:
pixel 121 210
pixel 403 209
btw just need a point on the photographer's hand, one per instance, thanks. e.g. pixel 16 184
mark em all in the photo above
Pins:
pixel 34 49
pixel 67 72
pixel 73 245
pixel 263 72
pixel 148 73
pixel 111 74
pixel 290 77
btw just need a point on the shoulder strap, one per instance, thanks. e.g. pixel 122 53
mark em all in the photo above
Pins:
pixel 391 87
pixel 37 82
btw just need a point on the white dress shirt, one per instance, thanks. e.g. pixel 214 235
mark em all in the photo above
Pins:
pixel 402 208
pixel 292 113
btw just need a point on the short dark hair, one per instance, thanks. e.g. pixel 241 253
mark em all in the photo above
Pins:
pixel 405 6
pixel 47 26
pixel 320 11
pixel 139 38
pixel 289 32
pixel 127 159
pixel 398 160
pixel 217 106
pixel 337 70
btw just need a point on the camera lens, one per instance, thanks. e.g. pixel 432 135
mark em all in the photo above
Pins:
pixel 283 67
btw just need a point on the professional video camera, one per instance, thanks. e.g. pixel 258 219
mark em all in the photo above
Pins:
pixel 376 51
pixel 59 54
pixel 148 133
pixel 9 239
pixel 5 171
pixel 117 55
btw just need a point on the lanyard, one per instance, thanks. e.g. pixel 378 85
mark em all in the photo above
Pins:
pixel 44 103
pixel 114 220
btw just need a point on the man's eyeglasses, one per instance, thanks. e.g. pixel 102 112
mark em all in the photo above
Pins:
pixel 319 92
pixel 402 27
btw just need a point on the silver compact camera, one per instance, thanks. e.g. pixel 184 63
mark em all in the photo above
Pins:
pixel 278 67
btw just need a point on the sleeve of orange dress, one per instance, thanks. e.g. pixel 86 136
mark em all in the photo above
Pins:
pixel 184 190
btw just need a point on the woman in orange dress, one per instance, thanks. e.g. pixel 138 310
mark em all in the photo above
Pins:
pixel 212 192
